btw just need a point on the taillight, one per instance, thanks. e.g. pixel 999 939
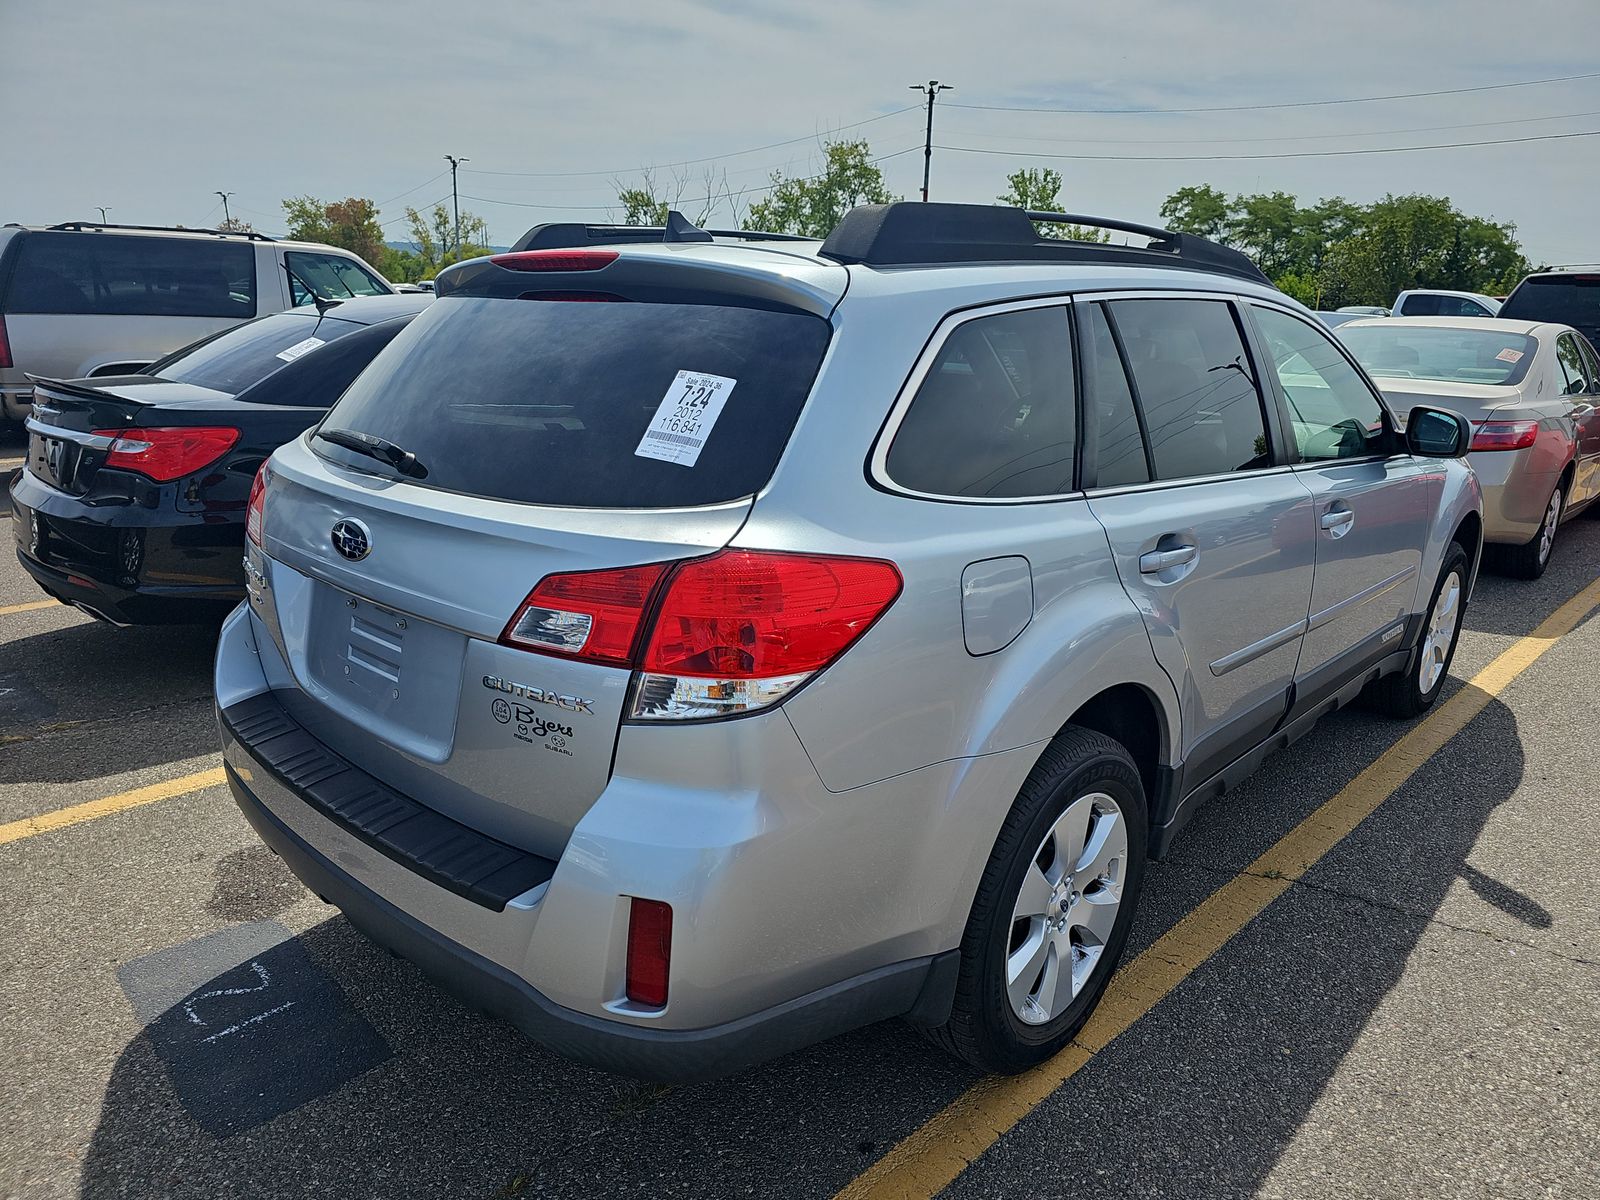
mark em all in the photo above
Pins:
pixel 731 633
pixel 1504 435
pixel 255 516
pixel 5 344
pixel 590 615
pixel 554 260
pixel 167 454
pixel 649 952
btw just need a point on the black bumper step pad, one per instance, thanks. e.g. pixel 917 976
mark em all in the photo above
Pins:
pixel 440 849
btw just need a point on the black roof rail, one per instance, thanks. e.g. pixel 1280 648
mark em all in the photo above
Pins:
pixel 927 234
pixel 567 235
pixel 252 235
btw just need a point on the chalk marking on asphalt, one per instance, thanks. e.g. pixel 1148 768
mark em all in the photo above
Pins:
pixel 932 1156
pixel 31 606
pixel 89 810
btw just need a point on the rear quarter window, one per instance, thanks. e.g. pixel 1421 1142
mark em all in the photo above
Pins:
pixel 237 358
pixel 109 275
pixel 548 401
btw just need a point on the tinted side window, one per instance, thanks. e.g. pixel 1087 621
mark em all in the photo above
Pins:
pixel 1573 368
pixel 332 276
pixel 1331 409
pixel 1119 442
pixel 1593 361
pixel 1420 306
pixel 108 274
pixel 995 415
pixel 1194 385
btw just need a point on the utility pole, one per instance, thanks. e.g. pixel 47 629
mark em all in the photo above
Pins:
pixel 103 211
pixel 227 217
pixel 933 88
pixel 455 199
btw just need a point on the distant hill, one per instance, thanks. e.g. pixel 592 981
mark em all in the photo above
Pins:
pixel 410 246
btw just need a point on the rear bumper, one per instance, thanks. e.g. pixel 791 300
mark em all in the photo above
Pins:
pixel 754 972
pixel 130 564
pixel 16 401
pixel 1515 493
pixel 668 1055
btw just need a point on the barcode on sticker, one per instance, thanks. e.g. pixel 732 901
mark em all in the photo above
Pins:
pixel 685 418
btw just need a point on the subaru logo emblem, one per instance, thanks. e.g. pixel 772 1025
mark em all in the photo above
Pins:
pixel 351 539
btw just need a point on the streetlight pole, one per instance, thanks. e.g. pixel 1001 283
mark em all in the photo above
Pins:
pixel 455 199
pixel 104 209
pixel 227 217
pixel 933 88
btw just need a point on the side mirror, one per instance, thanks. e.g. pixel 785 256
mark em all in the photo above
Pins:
pixel 1437 433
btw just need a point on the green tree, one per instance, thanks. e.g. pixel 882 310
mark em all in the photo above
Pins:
pixel 1038 189
pixel 1200 210
pixel 1265 227
pixel 813 205
pixel 236 225
pixel 351 224
pixel 640 206
pixel 433 234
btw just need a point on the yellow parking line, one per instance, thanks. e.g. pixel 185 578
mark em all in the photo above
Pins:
pixel 31 606
pixel 15 831
pixel 932 1156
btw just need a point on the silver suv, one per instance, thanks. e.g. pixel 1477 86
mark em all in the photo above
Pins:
pixel 692 650
pixel 80 300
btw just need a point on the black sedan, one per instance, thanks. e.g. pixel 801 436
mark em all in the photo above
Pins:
pixel 131 504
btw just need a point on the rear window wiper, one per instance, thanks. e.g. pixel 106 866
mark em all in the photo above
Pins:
pixel 382 449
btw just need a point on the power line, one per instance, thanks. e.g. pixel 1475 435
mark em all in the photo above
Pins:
pixel 689 162
pixel 1295 137
pixel 418 188
pixel 404 216
pixel 1545 137
pixel 740 194
pixel 1487 87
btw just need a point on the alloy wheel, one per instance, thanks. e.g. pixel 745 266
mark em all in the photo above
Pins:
pixel 1547 532
pixel 1066 908
pixel 1440 634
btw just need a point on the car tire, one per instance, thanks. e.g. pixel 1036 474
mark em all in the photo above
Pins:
pixel 1012 1008
pixel 1529 560
pixel 1411 692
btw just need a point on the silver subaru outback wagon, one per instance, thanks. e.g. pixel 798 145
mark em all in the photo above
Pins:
pixel 690 650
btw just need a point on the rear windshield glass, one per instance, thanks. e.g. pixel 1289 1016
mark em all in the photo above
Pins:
pixel 1565 300
pixel 592 405
pixel 105 273
pixel 232 361
pixel 1452 355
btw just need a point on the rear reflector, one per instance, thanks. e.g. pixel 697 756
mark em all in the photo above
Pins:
pixel 649 952
pixel 255 517
pixel 555 260
pixel 166 454
pixel 1504 435
pixel 5 344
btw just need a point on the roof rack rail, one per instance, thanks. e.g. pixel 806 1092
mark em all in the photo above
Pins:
pixel 566 235
pixel 907 234
pixel 251 234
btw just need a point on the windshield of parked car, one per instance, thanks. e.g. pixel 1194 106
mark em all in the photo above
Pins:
pixel 1450 355
pixel 246 354
pixel 589 405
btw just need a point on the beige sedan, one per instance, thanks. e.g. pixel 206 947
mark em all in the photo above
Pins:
pixel 1530 390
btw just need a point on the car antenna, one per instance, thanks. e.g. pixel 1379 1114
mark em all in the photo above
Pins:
pixel 323 303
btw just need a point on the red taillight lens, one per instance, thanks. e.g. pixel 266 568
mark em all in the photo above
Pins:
pixel 554 260
pixel 591 615
pixel 5 343
pixel 1504 435
pixel 649 952
pixel 731 633
pixel 255 517
pixel 167 454
pixel 751 614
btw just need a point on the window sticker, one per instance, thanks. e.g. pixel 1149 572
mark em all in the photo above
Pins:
pixel 685 417
pixel 290 353
pixel 1509 355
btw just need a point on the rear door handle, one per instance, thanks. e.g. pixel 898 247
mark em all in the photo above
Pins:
pixel 1337 519
pixel 1159 560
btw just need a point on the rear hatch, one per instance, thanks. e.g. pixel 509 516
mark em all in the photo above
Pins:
pixel 1568 299
pixel 557 423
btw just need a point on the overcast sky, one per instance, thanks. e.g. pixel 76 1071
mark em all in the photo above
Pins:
pixel 149 107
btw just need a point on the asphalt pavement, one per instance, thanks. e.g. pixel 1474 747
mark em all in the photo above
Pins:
pixel 1418 1014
